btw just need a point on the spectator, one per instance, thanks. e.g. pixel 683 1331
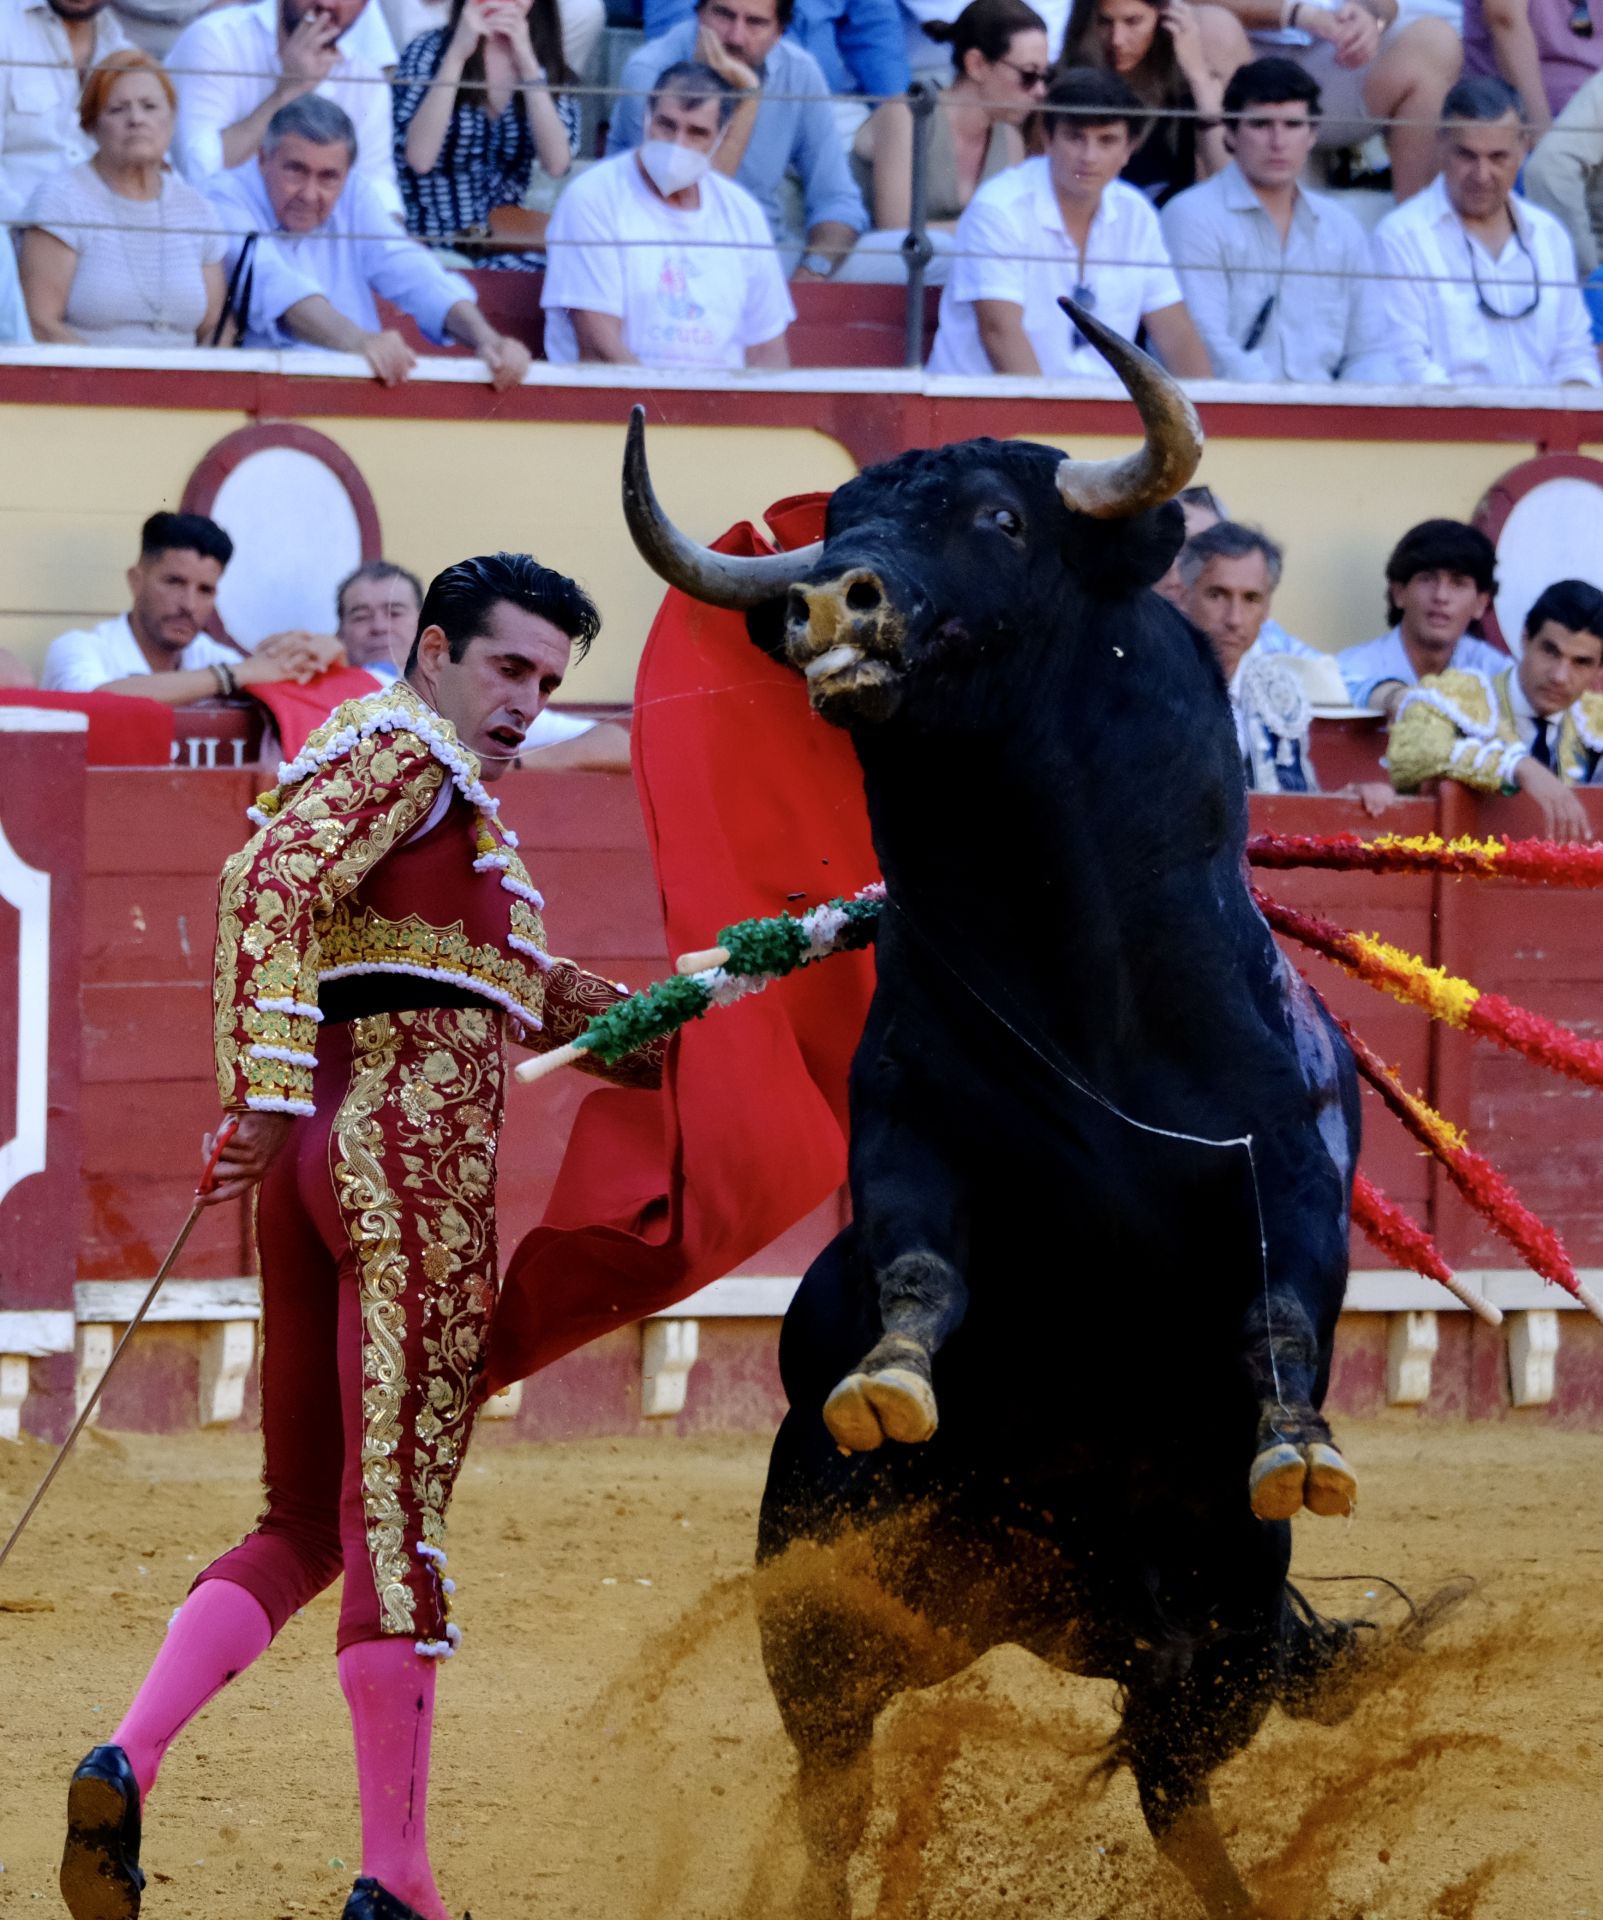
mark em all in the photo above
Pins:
pixel 656 259
pixel 119 251
pixel 1276 278
pixel 474 112
pixel 1538 46
pixel 1000 70
pixel 1200 508
pixel 1176 57
pixel 44 47
pixel 1479 286
pixel 226 100
pixel 377 608
pixel 157 650
pixel 1382 67
pixel 1064 223
pixel 782 122
pixel 14 328
pixel 1565 174
pixel 1439 581
pixel 156 24
pixel 1230 574
pixel 311 246
pixel 1534 728
pixel 581 22
pixel 860 45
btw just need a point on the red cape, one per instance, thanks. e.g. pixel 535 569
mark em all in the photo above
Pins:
pixel 124 730
pixel 296 710
pixel 752 806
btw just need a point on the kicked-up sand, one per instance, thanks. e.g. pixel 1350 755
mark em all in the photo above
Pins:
pixel 607 1749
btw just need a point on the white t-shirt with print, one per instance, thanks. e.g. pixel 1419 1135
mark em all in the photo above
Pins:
pixel 694 288
pixel 1012 245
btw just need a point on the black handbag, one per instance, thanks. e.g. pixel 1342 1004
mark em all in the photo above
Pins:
pixel 241 282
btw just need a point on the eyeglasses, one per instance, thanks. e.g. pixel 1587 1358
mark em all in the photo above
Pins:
pixel 1260 326
pixel 1485 305
pixel 1032 77
pixel 1083 297
pixel 1581 19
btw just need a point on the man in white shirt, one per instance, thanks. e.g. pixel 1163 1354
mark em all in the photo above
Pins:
pixel 45 45
pixel 223 62
pixel 157 651
pixel 311 247
pixel 1276 278
pixel 655 259
pixel 1439 579
pixel 1064 223
pixel 1478 286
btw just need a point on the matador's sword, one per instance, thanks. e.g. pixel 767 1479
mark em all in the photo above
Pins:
pixel 225 1133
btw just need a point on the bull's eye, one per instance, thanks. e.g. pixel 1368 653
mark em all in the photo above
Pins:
pixel 1007 520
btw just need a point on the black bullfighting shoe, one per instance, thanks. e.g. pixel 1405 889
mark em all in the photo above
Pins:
pixel 887 1397
pixel 100 1876
pixel 370 1901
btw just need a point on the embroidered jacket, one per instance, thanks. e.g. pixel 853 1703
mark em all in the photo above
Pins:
pixel 1273 719
pixel 340 881
pixel 1462 724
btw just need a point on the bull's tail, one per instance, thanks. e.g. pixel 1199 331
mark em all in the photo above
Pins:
pixel 1328 1666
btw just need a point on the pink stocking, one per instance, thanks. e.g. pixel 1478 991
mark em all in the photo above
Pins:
pixel 218 1631
pixel 390 1690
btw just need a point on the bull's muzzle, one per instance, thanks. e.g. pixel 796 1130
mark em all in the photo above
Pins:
pixel 845 637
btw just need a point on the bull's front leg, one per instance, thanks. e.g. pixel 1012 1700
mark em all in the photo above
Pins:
pixel 911 1214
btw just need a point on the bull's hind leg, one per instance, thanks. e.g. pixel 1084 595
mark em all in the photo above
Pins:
pixel 1296 1462
pixel 889 1394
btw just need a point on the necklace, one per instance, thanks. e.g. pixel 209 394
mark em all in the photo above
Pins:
pixel 137 275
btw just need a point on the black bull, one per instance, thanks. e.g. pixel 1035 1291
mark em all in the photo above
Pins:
pixel 1102 1142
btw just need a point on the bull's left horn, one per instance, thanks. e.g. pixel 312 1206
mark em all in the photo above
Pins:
pixel 1111 489
pixel 736 581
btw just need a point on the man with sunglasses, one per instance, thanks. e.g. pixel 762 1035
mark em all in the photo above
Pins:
pixel 1276 278
pixel 1478 286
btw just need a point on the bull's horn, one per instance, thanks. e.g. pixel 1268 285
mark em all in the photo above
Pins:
pixel 1111 489
pixel 736 581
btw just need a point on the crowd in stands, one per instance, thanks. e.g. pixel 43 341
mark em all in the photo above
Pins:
pixel 266 172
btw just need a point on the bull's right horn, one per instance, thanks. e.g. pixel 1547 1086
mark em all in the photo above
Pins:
pixel 1113 489
pixel 736 581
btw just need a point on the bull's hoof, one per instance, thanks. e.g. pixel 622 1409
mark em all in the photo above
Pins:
pixel 1332 1486
pixel 888 1398
pixel 1276 1482
pixel 1286 1477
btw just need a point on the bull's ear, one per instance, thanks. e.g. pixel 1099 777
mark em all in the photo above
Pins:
pixel 765 626
pixel 1120 556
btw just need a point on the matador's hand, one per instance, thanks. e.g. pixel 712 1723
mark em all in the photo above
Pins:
pixel 246 1156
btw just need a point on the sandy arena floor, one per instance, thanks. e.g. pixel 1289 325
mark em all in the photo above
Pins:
pixel 607 1745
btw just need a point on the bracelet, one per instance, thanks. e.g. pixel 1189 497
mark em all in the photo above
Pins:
pixel 227 685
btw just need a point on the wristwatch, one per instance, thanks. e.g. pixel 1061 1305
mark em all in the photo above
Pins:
pixel 819 263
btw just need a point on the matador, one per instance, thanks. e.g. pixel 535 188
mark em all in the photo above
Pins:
pixel 378 944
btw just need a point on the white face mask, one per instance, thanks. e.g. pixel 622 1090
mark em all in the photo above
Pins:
pixel 670 167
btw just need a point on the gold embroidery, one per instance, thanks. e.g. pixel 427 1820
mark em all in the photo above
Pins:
pixel 450 1099
pixel 356 941
pixel 365 1194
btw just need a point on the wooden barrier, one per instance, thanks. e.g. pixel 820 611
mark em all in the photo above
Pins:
pixel 153 840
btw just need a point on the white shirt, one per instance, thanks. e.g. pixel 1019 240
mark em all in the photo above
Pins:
pixel 694 288
pixel 83 661
pixel 1324 320
pixel 39 88
pixel 1440 336
pixel 356 253
pixel 1012 245
pixel 1366 667
pixel 227 51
